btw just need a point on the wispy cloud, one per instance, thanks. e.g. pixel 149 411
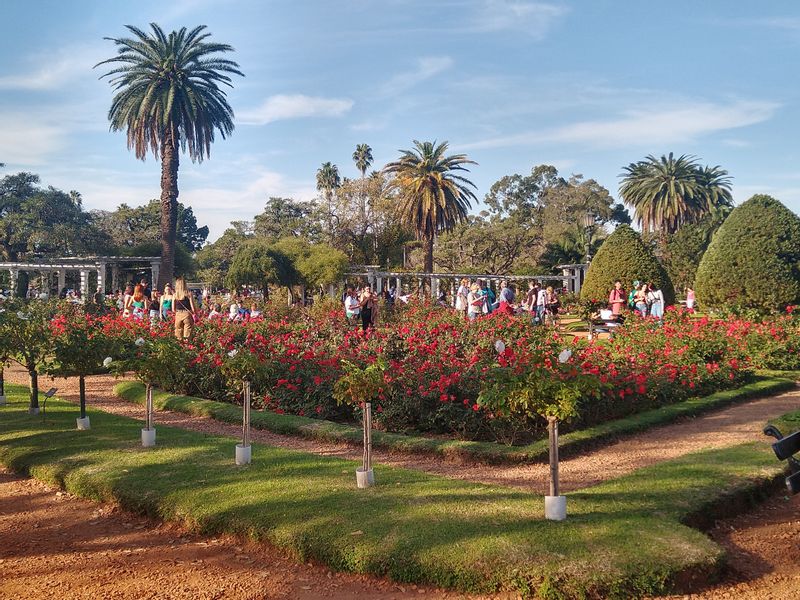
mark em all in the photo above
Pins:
pixel 644 126
pixel 426 68
pixel 27 143
pixel 534 18
pixel 50 71
pixel 294 106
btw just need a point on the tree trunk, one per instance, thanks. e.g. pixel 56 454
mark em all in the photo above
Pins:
pixel 82 384
pixel 22 285
pixel 34 388
pixel 2 382
pixel 428 268
pixel 552 429
pixel 169 209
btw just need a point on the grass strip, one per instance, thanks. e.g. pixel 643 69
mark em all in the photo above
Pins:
pixel 571 443
pixel 622 539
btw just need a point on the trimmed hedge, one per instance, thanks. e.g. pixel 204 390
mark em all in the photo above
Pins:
pixel 624 256
pixel 753 260
pixel 487 452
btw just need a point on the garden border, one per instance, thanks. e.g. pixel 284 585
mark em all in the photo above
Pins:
pixel 570 444
pixel 519 552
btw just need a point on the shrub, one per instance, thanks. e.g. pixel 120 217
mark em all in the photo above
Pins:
pixel 625 257
pixel 753 260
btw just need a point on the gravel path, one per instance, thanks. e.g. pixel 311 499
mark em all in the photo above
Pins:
pixel 734 425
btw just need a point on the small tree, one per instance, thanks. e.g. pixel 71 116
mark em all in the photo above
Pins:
pixel 753 260
pixel 31 340
pixel 5 347
pixel 79 347
pixel 624 256
pixel 360 387
pixel 548 386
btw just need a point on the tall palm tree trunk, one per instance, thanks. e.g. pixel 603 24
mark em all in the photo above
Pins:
pixel 428 267
pixel 169 209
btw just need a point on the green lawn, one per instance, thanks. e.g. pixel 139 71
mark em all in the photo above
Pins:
pixel 493 453
pixel 622 538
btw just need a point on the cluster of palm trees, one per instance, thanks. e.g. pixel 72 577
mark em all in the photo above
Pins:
pixel 168 98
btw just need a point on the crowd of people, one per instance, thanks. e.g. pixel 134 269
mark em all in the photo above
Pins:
pixel 644 299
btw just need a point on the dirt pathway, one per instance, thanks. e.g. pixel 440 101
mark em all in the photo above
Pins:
pixel 735 425
pixel 763 553
pixel 57 546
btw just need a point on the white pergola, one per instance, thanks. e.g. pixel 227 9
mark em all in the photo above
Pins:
pixel 83 265
pixel 572 277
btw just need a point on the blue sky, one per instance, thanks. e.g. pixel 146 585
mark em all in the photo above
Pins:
pixel 588 86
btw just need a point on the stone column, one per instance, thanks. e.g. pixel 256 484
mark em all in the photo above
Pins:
pixel 14 273
pixel 101 278
pixel 398 286
pixel 155 266
pixel 62 279
pixel 84 285
pixel 379 285
pixel 434 287
pixel 114 278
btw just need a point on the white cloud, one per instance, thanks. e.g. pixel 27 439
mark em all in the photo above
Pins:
pixel 294 106
pixel 534 18
pixel 644 126
pixel 426 68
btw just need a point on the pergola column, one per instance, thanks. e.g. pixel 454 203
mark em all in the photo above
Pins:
pixel 62 279
pixel 14 274
pixel 155 267
pixel 114 278
pixel 101 278
pixel 84 284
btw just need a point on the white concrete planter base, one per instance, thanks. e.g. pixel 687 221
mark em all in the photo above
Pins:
pixel 33 411
pixel 365 479
pixel 83 424
pixel 555 508
pixel 3 401
pixel 244 454
pixel 148 437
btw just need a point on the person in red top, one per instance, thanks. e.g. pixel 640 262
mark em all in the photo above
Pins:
pixel 617 298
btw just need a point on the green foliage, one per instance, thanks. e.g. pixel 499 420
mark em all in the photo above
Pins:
pixel 465 536
pixel 753 261
pixel 358 384
pixel 685 248
pixel 185 264
pixel 214 260
pixel 257 262
pixel 317 265
pixel 624 256
pixel 669 192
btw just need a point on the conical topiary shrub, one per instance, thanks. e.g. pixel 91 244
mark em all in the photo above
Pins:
pixel 625 257
pixel 753 260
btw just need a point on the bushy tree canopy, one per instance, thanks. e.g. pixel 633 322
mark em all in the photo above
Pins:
pixel 625 257
pixel 753 260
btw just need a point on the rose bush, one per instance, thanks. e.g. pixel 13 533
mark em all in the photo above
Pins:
pixel 437 364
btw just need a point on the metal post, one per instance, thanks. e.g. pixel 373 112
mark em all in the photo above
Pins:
pixel 246 414
pixel 367 436
pixel 552 428
pixel 149 407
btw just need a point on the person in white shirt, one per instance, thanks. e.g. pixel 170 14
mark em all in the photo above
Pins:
pixel 541 304
pixel 655 300
pixel 352 306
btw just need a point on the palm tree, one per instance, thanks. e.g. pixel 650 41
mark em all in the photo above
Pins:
pixel 168 98
pixel 669 192
pixel 432 197
pixel 328 181
pixel 363 158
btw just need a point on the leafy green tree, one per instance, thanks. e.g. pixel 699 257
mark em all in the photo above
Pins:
pixel 316 265
pixel 283 217
pixel 128 226
pixel 28 326
pixel 168 98
pixel 214 260
pixel 669 192
pixel 433 196
pixel 624 256
pixel 753 261
pixel 259 263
